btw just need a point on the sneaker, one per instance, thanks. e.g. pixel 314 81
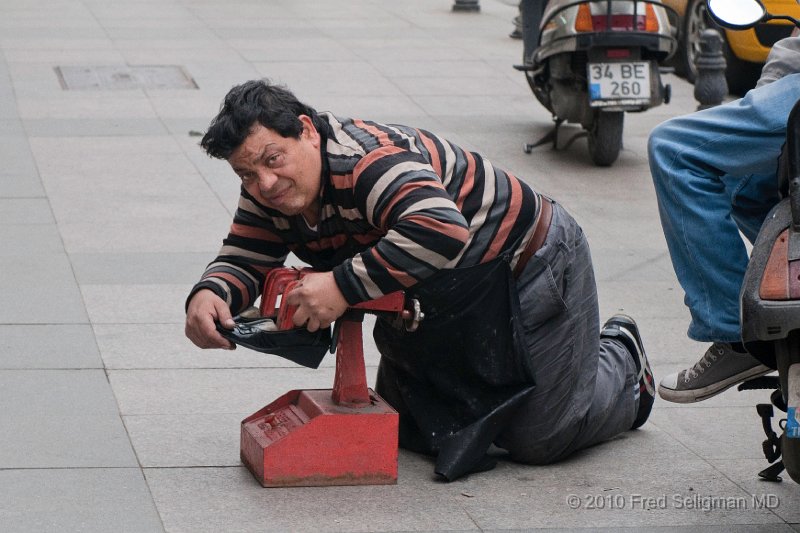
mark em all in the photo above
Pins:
pixel 624 329
pixel 720 368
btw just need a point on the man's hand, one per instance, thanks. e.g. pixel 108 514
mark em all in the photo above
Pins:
pixel 318 299
pixel 204 309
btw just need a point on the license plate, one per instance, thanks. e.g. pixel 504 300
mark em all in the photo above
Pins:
pixel 619 83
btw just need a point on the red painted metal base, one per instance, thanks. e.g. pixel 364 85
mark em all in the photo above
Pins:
pixel 341 436
pixel 306 439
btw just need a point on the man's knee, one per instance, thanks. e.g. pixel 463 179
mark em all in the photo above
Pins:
pixel 661 138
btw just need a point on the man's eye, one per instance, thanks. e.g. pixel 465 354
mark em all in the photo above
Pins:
pixel 274 160
pixel 247 178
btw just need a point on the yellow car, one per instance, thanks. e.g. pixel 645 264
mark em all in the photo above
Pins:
pixel 745 51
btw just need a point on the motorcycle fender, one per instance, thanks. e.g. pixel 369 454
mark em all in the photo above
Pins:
pixel 766 320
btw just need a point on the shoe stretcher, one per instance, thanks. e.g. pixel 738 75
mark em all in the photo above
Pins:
pixel 341 436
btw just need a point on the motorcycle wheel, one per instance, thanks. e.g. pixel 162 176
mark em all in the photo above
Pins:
pixel 740 75
pixel 605 137
pixel 788 356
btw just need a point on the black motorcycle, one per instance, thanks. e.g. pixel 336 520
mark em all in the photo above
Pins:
pixel 770 295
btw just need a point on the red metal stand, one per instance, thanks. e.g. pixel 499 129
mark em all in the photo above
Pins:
pixel 341 436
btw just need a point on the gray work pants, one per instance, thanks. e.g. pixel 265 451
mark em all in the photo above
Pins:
pixel 584 384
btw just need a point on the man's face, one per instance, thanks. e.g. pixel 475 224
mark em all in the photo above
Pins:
pixel 282 173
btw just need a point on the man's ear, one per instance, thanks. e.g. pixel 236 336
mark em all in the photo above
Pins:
pixel 309 129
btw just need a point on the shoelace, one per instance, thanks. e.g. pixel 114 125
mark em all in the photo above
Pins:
pixel 705 362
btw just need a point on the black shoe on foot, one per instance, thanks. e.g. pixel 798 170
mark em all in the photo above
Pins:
pixel 623 328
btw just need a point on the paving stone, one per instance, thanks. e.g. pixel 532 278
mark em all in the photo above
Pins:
pixel 132 304
pixel 568 495
pixel 783 498
pixel 213 391
pixel 24 239
pixel 59 56
pixel 186 440
pixel 400 48
pixel 431 68
pixel 110 13
pixel 179 56
pixel 58 392
pixel 715 432
pixel 191 235
pixel 64 159
pixel 64 187
pixel 86 104
pixel 60 418
pixel 20 185
pixel 8 105
pixel 88 500
pixel 232 28
pixel 138 268
pixel 172 212
pixel 474 106
pixel 94 127
pixel 15 43
pixel 51 30
pixel 64 441
pixel 16 155
pixel 9 127
pixel 170 104
pixel 223 499
pixel 31 283
pixel 57 346
pixel 158 32
pixel 309 49
pixel 363 79
pixel 456 86
pixel 28 211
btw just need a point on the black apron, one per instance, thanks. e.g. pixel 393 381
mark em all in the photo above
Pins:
pixel 458 379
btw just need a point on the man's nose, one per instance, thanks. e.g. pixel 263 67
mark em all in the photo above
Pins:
pixel 266 180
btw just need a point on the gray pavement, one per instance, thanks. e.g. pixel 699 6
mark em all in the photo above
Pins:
pixel 111 421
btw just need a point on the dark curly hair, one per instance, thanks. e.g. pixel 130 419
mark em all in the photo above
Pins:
pixel 256 101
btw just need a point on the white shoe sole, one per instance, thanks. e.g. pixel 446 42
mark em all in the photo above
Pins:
pixel 698 395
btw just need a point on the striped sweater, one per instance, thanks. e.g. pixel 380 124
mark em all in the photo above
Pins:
pixel 397 205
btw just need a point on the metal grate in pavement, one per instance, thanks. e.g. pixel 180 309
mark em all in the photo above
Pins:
pixel 124 77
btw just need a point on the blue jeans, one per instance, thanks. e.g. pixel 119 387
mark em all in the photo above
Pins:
pixel 715 175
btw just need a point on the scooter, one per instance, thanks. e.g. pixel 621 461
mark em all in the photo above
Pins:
pixel 770 295
pixel 592 62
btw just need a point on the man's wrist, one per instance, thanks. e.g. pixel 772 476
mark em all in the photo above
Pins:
pixel 204 285
pixel 347 282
